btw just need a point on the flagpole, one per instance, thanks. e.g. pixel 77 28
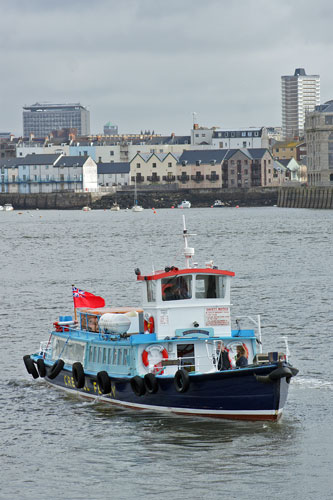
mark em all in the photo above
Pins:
pixel 75 315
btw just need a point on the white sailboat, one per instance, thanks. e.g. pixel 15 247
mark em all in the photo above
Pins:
pixel 136 207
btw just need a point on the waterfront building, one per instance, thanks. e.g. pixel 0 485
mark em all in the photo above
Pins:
pixel 300 95
pixel 105 149
pixel 229 168
pixel 227 138
pixel 289 172
pixel 40 119
pixel 319 140
pixel 48 173
pixel 154 168
pixel 113 174
pixel 285 150
pixel 7 148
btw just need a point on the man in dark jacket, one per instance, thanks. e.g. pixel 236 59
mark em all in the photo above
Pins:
pixel 223 357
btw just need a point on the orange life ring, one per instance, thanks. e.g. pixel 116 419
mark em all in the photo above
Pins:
pixel 149 324
pixel 158 368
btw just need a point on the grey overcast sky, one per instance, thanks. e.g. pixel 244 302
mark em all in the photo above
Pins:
pixel 149 64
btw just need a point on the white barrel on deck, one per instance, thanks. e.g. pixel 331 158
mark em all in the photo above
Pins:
pixel 114 323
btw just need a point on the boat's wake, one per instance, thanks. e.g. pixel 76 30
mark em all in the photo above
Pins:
pixel 313 383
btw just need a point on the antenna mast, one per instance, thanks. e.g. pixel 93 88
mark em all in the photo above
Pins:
pixel 188 251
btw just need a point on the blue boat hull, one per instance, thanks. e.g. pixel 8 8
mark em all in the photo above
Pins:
pixel 236 394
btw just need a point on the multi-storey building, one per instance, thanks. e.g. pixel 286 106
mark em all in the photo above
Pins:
pixel 40 119
pixel 300 95
pixel 113 174
pixel 154 168
pixel 225 138
pixel 319 140
pixel 203 169
pixel 48 174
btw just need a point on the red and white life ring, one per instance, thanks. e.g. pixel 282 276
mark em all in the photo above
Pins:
pixel 153 355
pixel 149 324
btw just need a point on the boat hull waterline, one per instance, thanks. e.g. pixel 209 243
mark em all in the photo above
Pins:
pixel 217 395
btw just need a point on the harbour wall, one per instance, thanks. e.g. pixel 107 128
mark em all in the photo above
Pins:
pixel 305 197
pixel 148 197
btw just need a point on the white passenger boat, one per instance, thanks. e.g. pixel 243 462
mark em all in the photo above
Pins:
pixel 177 353
pixel 8 207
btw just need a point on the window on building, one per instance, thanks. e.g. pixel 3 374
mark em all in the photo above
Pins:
pixel 111 153
pixel 154 165
pixel 169 164
pixel 138 165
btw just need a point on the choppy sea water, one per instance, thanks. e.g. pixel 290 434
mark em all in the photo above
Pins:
pixel 58 446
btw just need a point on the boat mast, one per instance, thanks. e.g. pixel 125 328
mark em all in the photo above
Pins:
pixel 188 252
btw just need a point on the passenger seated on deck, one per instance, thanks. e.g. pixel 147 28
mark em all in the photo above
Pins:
pixel 92 324
pixel 223 357
pixel 241 359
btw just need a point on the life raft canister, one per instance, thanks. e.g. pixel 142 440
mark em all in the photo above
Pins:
pixel 149 353
pixel 149 324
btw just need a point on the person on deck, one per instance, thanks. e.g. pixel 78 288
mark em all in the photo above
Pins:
pixel 241 359
pixel 223 357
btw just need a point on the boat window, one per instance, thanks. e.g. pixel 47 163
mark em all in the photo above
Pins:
pixel 109 356
pixel 125 357
pixel 69 351
pixel 151 291
pixel 104 355
pixel 114 361
pixel 209 286
pixel 185 352
pixel 177 288
pixel 120 355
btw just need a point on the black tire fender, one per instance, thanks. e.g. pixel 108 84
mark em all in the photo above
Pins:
pixel 151 383
pixel 41 367
pixel 78 375
pixel 138 385
pixel 281 372
pixel 182 380
pixel 30 366
pixel 104 382
pixel 56 369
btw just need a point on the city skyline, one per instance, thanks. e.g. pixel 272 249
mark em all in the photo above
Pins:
pixel 151 65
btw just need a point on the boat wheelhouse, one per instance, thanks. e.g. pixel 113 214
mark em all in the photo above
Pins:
pixel 177 353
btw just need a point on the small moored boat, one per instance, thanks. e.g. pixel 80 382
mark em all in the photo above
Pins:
pixel 177 353
pixel 185 204
pixel 8 207
pixel 115 207
pixel 86 209
pixel 218 203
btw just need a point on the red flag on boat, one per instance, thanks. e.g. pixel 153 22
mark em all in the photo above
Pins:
pixel 86 299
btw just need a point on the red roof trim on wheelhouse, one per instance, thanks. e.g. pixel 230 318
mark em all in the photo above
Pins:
pixel 176 272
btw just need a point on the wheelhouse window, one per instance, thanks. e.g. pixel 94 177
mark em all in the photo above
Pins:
pixel 177 288
pixel 151 291
pixel 210 286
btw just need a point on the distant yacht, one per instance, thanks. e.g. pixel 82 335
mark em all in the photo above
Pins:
pixel 136 207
